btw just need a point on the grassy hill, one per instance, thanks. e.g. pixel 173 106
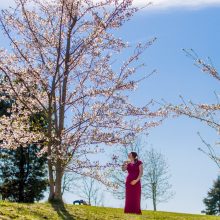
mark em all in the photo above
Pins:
pixel 70 212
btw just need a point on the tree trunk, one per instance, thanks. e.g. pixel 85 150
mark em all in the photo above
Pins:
pixel 154 204
pixel 154 192
pixel 21 175
pixel 50 172
pixel 58 182
pixel 56 185
pixel 51 182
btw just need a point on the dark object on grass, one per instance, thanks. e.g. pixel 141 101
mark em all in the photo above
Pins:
pixel 80 202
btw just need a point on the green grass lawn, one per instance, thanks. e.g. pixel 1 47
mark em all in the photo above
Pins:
pixel 71 212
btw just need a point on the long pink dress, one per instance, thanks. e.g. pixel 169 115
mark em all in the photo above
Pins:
pixel 133 192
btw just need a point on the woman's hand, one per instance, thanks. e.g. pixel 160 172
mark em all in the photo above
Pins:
pixel 133 182
pixel 124 166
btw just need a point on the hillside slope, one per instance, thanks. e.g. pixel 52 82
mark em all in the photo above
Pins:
pixel 70 212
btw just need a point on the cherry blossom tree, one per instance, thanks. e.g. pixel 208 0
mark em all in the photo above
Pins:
pixel 63 60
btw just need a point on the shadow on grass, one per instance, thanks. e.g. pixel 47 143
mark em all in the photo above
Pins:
pixel 59 207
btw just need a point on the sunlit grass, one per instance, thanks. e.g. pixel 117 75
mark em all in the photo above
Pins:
pixel 71 212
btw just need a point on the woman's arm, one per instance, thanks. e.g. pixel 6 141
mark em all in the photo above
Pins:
pixel 140 172
pixel 133 182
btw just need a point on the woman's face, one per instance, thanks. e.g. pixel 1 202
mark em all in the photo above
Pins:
pixel 130 157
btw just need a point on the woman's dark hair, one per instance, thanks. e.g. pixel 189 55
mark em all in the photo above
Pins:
pixel 135 156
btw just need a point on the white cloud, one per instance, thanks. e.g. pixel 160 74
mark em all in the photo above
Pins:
pixel 157 4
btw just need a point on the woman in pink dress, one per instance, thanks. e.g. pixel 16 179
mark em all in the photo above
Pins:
pixel 133 184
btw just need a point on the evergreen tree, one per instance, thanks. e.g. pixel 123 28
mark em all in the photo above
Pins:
pixel 212 201
pixel 23 173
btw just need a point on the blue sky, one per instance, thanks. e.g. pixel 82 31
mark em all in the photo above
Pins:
pixel 193 24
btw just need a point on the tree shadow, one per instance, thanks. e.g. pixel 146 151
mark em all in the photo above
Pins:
pixel 61 211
